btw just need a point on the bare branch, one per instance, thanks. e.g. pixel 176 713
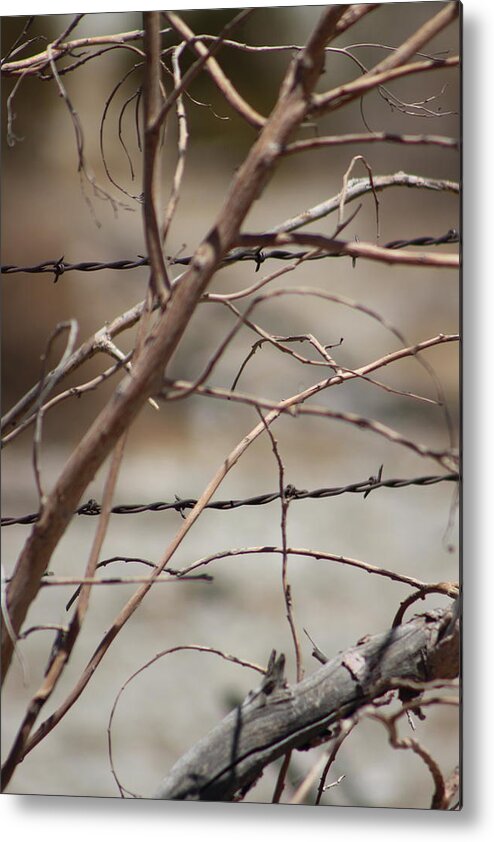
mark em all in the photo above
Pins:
pixel 266 725
pixel 371 137
pixel 159 280
pixel 33 65
pixel 222 81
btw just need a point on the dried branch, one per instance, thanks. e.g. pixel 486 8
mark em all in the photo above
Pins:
pixel 95 344
pixel 371 137
pixel 223 83
pixel 447 458
pixel 268 723
pixel 160 282
pixel 33 65
pixel 440 799
pixel 287 591
pixel 369 251
pixel 46 384
pixel 324 556
pixel 344 94
pixel 183 137
pixel 17 45
pixel 193 71
pixel 393 66
pixel 359 187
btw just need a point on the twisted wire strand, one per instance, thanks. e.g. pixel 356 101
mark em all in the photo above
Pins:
pixel 258 256
pixel 92 507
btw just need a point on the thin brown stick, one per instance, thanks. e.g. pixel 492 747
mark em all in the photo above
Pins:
pixel 33 65
pixel 345 729
pixel 422 36
pixel 369 251
pixel 183 137
pixel 160 281
pixel 187 648
pixel 69 581
pixel 450 589
pixel 370 137
pixel 305 291
pixel 395 64
pixel 92 346
pixel 193 71
pixel 344 190
pixel 83 168
pixel 223 83
pixel 287 591
pixel 315 554
pixel 47 383
pixel 280 783
pixel 439 798
pixel 346 93
pixel 360 187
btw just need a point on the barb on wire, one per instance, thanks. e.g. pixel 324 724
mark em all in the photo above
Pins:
pixel 92 507
pixel 59 267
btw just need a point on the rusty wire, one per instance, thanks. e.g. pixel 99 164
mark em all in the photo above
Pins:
pixel 258 256
pixel 92 507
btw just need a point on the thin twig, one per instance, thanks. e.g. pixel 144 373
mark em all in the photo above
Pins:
pixel 183 137
pixel 33 65
pixel 223 83
pixel 370 137
pixel 189 648
pixel 159 280
pixel 315 554
pixel 287 591
pixel 47 383
pixel 368 251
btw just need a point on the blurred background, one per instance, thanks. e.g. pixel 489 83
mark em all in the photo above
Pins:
pixel 48 211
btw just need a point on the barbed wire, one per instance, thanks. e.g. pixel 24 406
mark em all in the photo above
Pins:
pixel 92 507
pixel 59 267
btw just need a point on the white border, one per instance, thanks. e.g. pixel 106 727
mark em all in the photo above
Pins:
pixel 57 818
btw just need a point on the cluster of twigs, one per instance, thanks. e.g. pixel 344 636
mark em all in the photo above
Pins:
pixel 163 318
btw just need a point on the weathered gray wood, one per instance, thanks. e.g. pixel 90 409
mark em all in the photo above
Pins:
pixel 276 718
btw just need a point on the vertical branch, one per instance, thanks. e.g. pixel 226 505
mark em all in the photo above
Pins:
pixel 183 136
pixel 285 502
pixel 160 282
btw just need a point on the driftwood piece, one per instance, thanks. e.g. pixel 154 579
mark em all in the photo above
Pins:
pixel 276 718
